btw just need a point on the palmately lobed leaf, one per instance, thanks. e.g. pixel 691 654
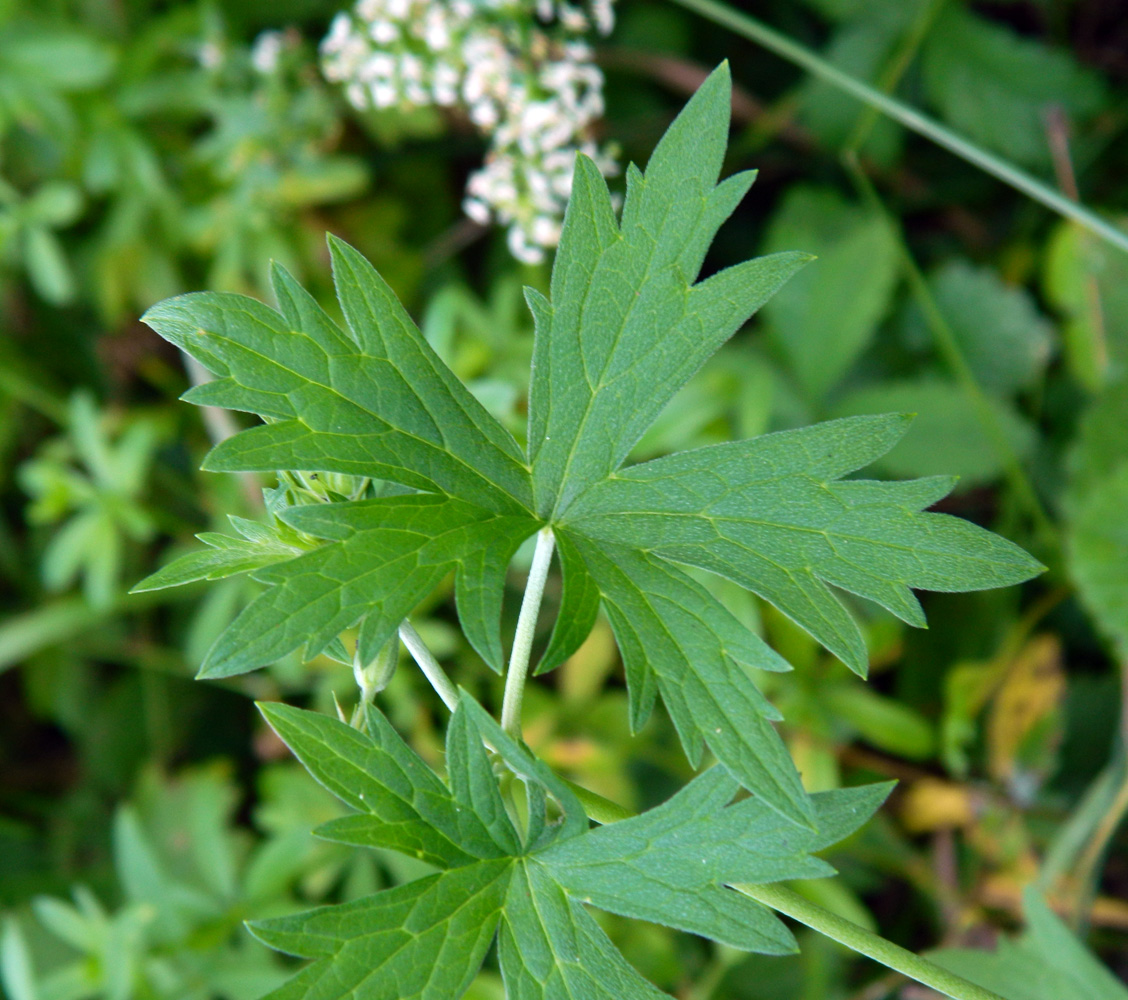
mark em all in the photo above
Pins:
pixel 672 864
pixel 421 941
pixel 626 324
pixel 426 939
pixel 401 804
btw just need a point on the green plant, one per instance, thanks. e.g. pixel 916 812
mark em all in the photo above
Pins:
pixel 397 476
pixel 100 504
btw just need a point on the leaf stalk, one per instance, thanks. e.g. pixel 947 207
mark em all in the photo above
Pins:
pixel 434 673
pixel 846 932
pixel 523 638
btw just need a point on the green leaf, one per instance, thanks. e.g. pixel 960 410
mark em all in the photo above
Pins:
pixel 226 557
pixel 47 266
pixel 67 923
pixel 1097 450
pixel 1003 337
pixel 386 555
pixel 994 85
pixel 626 326
pixel 1086 282
pixel 523 764
pixel 1046 963
pixel 883 721
pixel 1097 546
pixel 402 804
pixel 579 606
pixel 861 47
pixel 424 940
pixel 772 515
pixel 672 864
pixel 61 59
pixel 551 949
pixel 827 315
pixel 672 630
pixel 376 403
pixel 472 781
pixel 16 971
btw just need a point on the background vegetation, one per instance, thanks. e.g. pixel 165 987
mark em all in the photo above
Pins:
pixel 148 148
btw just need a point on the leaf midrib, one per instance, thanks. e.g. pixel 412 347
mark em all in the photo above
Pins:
pixel 558 507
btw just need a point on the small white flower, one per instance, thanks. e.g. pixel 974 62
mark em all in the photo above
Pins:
pixel 339 30
pixel 520 247
pixel 357 96
pixel 545 231
pixel 378 66
pixel 477 210
pixel 604 16
pixel 532 86
pixel 445 84
pixel 436 30
pixel 266 50
pixel 384 32
pixel 384 95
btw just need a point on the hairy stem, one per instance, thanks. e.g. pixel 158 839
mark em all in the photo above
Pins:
pixel 429 665
pixel 997 167
pixel 864 942
pixel 523 638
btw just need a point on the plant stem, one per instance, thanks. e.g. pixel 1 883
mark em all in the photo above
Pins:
pixel 894 71
pixel 523 638
pixel 908 116
pixel 858 939
pixel 429 665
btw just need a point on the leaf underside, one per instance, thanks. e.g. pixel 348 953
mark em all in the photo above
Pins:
pixel 625 326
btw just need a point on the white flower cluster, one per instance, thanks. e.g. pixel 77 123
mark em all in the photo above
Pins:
pixel 522 71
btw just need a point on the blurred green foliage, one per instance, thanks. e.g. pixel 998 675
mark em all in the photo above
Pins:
pixel 143 816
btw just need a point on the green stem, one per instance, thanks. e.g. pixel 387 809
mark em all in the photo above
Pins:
pixel 864 942
pixel 523 638
pixel 908 116
pixel 891 75
pixel 429 665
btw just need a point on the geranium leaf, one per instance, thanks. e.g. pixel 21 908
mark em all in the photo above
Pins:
pixel 625 325
pixel 426 939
